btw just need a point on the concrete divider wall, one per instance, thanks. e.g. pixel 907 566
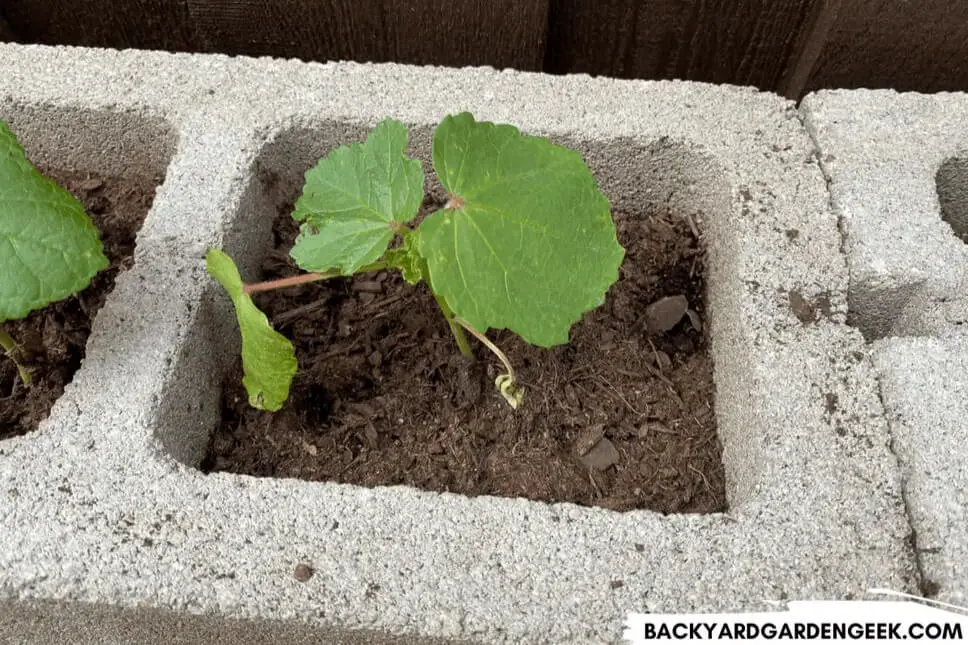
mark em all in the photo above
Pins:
pixel 108 532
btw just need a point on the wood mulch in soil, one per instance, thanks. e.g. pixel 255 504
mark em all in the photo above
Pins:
pixel 54 338
pixel 621 417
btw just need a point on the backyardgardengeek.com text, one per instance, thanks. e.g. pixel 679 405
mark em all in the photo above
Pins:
pixel 824 631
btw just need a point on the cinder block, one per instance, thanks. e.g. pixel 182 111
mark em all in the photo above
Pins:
pixel 108 531
pixel 925 391
pixel 897 166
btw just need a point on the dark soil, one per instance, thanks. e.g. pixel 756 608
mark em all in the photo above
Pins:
pixel 383 396
pixel 54 338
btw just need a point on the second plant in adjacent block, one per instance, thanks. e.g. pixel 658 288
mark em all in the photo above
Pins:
pixel 49 247
pixel 524 242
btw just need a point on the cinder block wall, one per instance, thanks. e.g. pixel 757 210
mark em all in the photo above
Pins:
pixel 146 548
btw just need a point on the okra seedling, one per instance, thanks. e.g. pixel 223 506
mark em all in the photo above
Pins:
pixel 524 242
pixel 49 247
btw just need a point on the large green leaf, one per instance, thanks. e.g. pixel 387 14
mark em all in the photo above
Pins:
pixel 353 199
pixel 527 241
pixel 49 248
pixel 268 359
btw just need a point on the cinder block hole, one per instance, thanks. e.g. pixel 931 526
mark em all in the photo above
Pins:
pixel 952 185
pixel 875 311
pixel 906 309
pixel 621 417
pixel 111 162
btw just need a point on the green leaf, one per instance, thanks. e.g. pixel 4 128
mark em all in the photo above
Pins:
pixel 407 258
pixel 268 359
pixel 353 200
pixel 527 241
pixel 49 247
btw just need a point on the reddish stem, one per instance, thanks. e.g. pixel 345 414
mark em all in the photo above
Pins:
pixel 304 278
pixel 286 282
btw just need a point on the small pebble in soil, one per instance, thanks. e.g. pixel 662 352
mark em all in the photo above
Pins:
pixel 602 456
pixel 588 439
pixel 665 313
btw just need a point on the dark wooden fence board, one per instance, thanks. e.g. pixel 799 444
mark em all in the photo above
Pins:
pixel 501 33
pixel 788 46
pixel 144 24
pixel 6 31
pixel 918 45
pixel 746 42
pixel 810 44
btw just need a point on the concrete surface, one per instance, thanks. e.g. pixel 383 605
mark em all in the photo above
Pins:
pixel 926 395
pixel 102 512
pixel 897 165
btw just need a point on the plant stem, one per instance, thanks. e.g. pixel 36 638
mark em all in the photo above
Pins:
pixel 10 347
pixel 302 278
pixel 487 343
pixel 455 328
pixel 506 383
pixel 305 278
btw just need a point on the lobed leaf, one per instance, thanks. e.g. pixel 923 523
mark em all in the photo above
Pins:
pixel 353 199
pixel 49 247
pixel 527 241
pixel 268 359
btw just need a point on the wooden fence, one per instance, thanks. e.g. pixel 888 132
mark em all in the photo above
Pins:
pixel 787 46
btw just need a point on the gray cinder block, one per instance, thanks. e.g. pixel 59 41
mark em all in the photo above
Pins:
pixel 897 165
pixel 926 395
pixel 108 530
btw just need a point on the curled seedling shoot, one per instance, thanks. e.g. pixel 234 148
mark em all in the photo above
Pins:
pixel 506 383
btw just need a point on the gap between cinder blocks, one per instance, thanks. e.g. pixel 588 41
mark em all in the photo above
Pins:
pixel 924 588
pixel 816 508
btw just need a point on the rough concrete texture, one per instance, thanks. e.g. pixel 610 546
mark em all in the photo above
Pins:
pixel 926 395
pixel 897 165
pixel 102 507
